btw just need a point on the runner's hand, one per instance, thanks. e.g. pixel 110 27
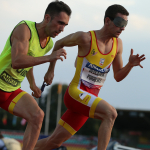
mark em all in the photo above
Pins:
pixel 135 60
pixel 58 55
pixel 36 91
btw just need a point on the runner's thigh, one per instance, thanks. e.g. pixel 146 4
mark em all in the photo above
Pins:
pixel 104 109
pixel 26 106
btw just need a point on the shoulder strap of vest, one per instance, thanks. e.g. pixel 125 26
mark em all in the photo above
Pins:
pixel 115 44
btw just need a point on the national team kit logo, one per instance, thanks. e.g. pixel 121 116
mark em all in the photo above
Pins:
pixel 101 61
pixel 93 52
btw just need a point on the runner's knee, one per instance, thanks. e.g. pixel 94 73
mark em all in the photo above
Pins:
pixel 37 117
pixel 111 114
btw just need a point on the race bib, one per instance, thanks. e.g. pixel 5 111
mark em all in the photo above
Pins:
pixel 94 76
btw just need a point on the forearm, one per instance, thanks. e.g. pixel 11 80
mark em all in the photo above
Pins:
pixel 52 66
pixel 53 63
pixel 26 61
pixel 122 73
pixel 30 77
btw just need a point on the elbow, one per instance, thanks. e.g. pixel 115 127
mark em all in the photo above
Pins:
pixel 15 65
pixel 117 79
pixel 59 44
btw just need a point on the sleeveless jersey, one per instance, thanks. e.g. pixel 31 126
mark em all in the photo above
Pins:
pixel 92 69
pixel 10 79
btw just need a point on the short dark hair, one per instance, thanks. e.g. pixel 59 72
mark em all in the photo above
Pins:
pixel 112 11
pixel 55 7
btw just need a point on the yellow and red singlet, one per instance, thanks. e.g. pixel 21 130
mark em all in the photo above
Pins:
pixel 92 69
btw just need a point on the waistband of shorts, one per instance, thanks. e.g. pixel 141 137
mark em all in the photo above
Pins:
pixel 6 91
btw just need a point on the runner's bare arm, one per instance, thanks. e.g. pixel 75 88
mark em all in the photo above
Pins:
pixel 79 38
pixel 36 91
pixel 30 77
pixel 121 72
pixel 20 44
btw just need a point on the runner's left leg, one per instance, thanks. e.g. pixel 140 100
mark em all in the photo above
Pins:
pixel 28 108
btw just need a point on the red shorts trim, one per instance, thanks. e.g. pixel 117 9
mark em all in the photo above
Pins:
pixel 7 97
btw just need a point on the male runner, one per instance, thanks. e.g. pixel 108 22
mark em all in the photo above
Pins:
pixel 25 48
pixel 97 50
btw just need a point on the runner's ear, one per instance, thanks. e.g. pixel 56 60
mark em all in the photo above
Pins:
pixel 47 18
